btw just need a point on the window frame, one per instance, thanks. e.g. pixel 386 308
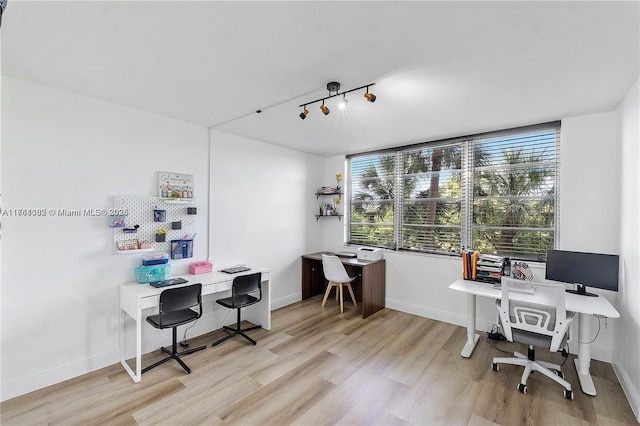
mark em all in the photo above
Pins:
pixel 468 145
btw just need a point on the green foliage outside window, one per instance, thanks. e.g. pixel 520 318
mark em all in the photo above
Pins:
pixel 492 194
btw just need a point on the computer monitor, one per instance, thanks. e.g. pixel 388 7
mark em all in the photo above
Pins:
pixel 583 269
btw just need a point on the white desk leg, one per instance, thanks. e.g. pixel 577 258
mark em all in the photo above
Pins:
pixel 472 337
pixel 122 340
pixel 583 362
pixel 138 320
pixel 135 376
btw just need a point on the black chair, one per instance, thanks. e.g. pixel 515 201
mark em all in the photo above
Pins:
pixel 174 310
pixel 241 288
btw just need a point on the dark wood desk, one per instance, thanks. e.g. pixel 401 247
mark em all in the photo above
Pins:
pixel 369 287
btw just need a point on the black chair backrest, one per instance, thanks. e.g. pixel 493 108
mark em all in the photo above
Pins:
pixel 245 284
pixel 179 298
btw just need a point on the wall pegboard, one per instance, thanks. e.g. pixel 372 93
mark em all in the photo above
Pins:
pixel 140 211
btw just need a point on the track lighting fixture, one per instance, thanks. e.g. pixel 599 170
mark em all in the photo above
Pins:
pixel 325 110
pixel 343 102
pixel 334 90
pixel 369 96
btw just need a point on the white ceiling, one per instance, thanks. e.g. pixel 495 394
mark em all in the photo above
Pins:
pixel 441 69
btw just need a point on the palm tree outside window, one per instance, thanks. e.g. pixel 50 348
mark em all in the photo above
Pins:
pixel 494 192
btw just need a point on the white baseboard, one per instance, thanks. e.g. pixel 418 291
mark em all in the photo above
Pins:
pixel 204 325
pixel 461 320
pixel 285 301
pixel 435 314
pixel 12 390
pixel 629 387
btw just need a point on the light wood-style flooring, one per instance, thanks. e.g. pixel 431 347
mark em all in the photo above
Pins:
pixel 317 366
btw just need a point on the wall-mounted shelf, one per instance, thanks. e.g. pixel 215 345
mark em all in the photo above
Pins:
pixel 327 194
pixel 318 216
pixel 177 201
pixel 134 251
pixel 326 209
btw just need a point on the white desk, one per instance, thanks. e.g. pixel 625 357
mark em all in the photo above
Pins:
pixel 135 297
pixel 582 305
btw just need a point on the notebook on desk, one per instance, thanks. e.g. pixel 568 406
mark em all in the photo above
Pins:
pixel 235 269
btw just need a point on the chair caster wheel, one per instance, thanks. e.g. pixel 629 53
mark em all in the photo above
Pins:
pixel 522 388
pixel 568 394
pixel 495 366
pixel 560 374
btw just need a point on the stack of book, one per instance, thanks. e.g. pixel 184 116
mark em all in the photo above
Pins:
pixel 469 264
pixel 489 268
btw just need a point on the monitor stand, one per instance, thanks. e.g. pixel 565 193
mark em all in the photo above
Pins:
pixel 582 291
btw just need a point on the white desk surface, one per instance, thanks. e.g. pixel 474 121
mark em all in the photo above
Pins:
pixel 135 297
pixel 574 303
pixel 212 282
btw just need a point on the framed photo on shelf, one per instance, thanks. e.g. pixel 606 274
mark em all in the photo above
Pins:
pixel 175 186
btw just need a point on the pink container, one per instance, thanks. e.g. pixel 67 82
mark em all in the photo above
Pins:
pixel 201 267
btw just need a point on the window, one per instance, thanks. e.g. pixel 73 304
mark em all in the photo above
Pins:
pixel 494 192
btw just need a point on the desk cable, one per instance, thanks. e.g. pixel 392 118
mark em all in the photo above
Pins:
pixel 596 336
pixel 496 335
pixel 185 342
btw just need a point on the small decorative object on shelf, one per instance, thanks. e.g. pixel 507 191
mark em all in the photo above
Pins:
pixel 175 186
pixel 336 203
pixel 325 190
pixel 117 221
pixel 145 245
pixel 338 179
pixel 161 235
pixel 128 245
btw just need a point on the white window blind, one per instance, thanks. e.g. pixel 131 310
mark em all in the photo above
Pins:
pixel 493 192
pixel 432 199
pixel 514 193
pixel 372 189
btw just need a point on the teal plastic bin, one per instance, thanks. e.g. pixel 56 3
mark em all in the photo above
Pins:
pixel 151 273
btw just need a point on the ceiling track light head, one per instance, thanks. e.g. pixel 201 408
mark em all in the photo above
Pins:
pixel 370 96
pixel 343 102
pixel 304 113
pixel 325 110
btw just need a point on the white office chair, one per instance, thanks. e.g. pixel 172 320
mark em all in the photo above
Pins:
pixel 337 276
pixel 534 325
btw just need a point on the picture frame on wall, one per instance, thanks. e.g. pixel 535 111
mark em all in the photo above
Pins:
pixel 175 186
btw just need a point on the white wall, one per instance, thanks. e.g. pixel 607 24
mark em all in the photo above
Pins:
pixel 262 209
pixel 66 151
pixel 627 338
pixel 419 283
pixel 60 276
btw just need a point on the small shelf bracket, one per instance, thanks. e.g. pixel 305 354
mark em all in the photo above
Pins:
pixel 339 216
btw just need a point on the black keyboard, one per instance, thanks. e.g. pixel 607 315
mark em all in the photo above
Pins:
pixel 165 283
